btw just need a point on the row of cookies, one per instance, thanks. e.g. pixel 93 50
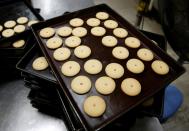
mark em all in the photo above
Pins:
pixel 94 106
pixel 9 28
pixel 133 65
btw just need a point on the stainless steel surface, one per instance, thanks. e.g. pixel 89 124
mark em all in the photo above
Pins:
pixel 53 8
pixel 17 114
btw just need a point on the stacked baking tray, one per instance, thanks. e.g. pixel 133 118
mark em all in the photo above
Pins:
pixel 44 86
pixel 12 10
pixel 46 97
pixel 151 82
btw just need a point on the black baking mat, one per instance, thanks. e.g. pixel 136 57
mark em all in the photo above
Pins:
pixel 117 103
pixel 13 9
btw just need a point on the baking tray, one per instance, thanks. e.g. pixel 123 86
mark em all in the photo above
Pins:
pixel 13 9
pixel 44 78
pixel 114 108
pixel 36 82
pixel 156 109
pixel 25 65
pixel 8 51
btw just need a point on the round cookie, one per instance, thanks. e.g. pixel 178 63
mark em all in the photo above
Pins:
pixel 131 86
pixel 64 31
pixel 81 84
pixel 54 42
pixel 135 66
pixel 94 106
pixel 32 22
pixel 160 67
pixel 1 28
pixel 114 70
pixel 76 22
pixel 105 85
pixel 98 31
pixel 18 44
pixel 39 64
pixel 109 41
pixel 93 66
pixel 72 41
pixel 93 22
pixel 132 42
pixel 145 54
pixel 79 32
pixel 61 54
pixel 120 52
pixel 82 51
pixel 10 24
pixel 120 32
pixel 19 28
pixel 110 24
pixel 47 32
pixel 22 20
pixel 8 33
pixel 70 68
pixel 102 15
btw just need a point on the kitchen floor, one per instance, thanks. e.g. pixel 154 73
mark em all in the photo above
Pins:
pixel 127 8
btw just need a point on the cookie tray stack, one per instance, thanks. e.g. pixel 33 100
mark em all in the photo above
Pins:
pixel 44 97
pixel 138 69
pixel 15 20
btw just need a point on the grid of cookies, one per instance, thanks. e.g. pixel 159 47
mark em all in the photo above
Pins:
pixel 83 72
pixel 12 27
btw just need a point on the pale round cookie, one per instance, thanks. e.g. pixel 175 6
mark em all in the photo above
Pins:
pixel 47 32
pixel 61 54
pixel 102 15
pixel 132 42
pixel 98 31
pixel 1 28
pixel 94 106
pixel 54 42
pixel 79 32
pixel 109 41
pixel 135 66
pixel 131 86
pixel 160 67
pixel 81 84
pixel 18 44
pixel 93 22
pixel 120 32
pixel 148 102
pixel 22 20
pixel 64 31
pixel 82 51
pixel 120 52
pixel 40 63
pixel 105 85
pixel 8 33
pixel 145 54
pixel 32 22
pixel 19 28
pixel 10 24
pixel 114 70
pixel 72 41
pixel 70 68
pixel 93 66
pixel 110 24
pixel 76 22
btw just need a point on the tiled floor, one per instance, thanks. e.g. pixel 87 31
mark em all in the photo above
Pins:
pixel 127 8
